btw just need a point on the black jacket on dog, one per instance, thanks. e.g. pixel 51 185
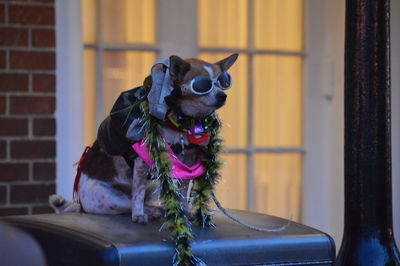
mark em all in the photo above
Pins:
pixel 113 131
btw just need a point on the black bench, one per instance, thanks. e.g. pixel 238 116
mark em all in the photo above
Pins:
pixel 86 239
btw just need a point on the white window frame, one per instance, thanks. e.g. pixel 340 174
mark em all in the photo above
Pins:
pixel 69 93
pixel 323 175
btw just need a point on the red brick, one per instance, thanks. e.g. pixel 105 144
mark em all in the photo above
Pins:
pixel 2 14
pixel 32 60
pixel 31 193
pixel 44 83
pixel 32 104
pixel 2 104
pixel 2 59
pixel 36 1
pixel 14 172
pixel 43 38
pixel 13 127
pixel 44 127
pixel 44 171
pixel 13 36
pixel 3 148
pixel 30 149
pixel 3 194
pixel 43 1
pixel 42 210
pixel 14 82
pixel 13 211
pixel 38 15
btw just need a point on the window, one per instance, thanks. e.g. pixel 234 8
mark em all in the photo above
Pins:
pixel 263 117
pixel 120 47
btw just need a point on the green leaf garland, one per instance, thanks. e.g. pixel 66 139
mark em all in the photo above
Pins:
pixel 175 216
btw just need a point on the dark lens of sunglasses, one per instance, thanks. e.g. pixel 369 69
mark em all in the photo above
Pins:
pixel 202 85
pixel 225 80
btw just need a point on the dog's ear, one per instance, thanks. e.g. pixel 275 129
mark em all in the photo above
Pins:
pixel 177 69
pixel 226 63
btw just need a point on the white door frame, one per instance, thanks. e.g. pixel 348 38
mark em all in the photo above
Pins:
pixel 70 94
pixel 324 117
pixel 323 178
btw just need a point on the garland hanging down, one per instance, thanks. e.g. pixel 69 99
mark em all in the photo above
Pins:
pixel 176 219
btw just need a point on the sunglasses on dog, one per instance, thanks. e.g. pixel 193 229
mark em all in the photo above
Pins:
pixel 204 85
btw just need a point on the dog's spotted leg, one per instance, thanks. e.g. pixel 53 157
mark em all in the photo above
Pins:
pixel 140 171
pixel 101 197
pixel 152 206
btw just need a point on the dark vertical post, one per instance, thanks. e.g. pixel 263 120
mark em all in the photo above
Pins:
pixel 368 235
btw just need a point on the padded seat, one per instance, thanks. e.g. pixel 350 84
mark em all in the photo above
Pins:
pixel 87 239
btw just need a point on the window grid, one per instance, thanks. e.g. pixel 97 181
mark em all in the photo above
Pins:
pixel 251 150
pixel 100 47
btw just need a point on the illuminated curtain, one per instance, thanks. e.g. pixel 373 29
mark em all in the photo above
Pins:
pixel 269 35
pixel 124 25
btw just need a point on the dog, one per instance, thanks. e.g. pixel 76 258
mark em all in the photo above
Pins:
pixel 113 179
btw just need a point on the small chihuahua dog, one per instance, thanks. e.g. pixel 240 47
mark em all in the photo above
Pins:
pixel 113 178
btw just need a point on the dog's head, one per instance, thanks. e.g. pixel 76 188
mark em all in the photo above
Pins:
pixel 198 85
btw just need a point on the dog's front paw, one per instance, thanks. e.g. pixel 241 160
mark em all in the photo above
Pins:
pixel 140 218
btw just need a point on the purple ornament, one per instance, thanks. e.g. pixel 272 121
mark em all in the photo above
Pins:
pixel 198 128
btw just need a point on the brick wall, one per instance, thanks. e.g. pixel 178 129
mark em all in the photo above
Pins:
pixel 27 105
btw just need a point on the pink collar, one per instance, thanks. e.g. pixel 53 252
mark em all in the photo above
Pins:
pixel 179 169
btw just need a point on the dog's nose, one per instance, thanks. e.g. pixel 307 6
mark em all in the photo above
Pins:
pixel 221 96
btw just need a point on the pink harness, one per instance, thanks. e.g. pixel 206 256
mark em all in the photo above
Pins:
pixel 179 169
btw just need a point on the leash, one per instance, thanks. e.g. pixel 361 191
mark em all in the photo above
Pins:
pixel 255 228
pixel 175 125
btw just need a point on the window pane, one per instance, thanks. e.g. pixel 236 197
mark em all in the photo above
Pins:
pixel 277 182
pixel 278 24
pixel 90 96
pixel 232 188
pixel 129 21
pixel 278 101
pixel 234 114
pixel 89 21
pixel 123 71
pixel 223 23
